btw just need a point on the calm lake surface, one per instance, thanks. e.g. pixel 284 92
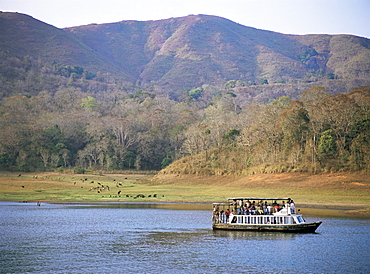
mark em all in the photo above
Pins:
pixel 150 238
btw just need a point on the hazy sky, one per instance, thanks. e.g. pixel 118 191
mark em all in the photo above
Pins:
pixel 286 16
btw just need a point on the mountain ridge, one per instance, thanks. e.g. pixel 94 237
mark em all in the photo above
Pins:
pixel 25 36
pixel 187 52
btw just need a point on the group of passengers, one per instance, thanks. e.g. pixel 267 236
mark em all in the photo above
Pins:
pixel 253 208
pixel 260 208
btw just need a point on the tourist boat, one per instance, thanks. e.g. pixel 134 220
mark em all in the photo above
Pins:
pixel 260 214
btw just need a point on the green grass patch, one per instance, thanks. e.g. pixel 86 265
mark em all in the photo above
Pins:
pixel 345 191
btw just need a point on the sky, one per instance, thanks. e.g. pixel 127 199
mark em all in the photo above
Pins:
pixel 285 16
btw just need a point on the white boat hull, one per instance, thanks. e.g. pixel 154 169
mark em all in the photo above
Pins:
pixel 297 228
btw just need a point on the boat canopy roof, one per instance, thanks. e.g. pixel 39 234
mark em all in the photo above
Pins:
pixel 260 199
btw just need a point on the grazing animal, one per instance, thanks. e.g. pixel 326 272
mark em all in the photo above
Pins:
pixel 119 192
pixel 22 186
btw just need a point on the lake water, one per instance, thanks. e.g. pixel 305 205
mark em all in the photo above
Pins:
pixel 149 238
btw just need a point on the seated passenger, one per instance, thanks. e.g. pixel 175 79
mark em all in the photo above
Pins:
pixel 277 208
pixel 265 209
pixel 269 209
pixel 252 209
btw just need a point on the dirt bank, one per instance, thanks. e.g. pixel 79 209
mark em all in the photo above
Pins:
pixel 344 191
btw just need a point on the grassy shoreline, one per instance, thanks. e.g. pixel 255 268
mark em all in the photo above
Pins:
pixel 347 192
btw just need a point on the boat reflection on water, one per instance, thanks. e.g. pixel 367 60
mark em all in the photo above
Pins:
pixel 255 235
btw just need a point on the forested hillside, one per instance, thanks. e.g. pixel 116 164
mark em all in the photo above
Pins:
pixel 319 132
pixel 201 92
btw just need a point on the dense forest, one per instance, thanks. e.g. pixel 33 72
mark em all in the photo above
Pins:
pixel 65 117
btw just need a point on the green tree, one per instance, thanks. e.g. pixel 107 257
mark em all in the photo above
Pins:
pixel 263 82
pixel 295 125
pixel 196 93
pixel 327 144
pixel 360 144
pixel 231 135
pixel 89 103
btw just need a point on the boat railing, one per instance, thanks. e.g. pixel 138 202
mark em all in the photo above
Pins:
pixel 279 217
pixel 256 219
